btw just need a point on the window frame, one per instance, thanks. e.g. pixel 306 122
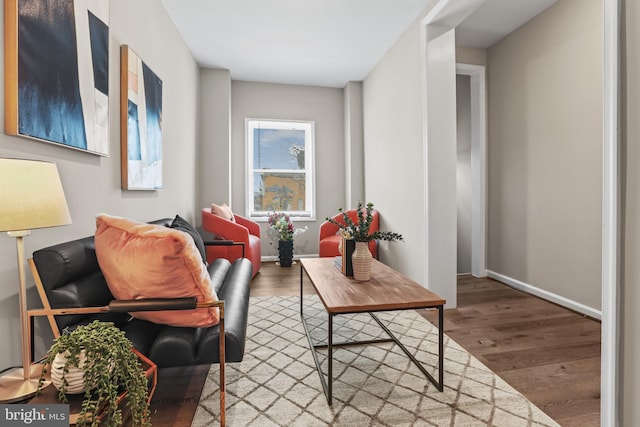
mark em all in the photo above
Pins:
pixel 308 126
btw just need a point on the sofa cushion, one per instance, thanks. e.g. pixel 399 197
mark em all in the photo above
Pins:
pixel 180 223
pixel 223 211
pixel 142 260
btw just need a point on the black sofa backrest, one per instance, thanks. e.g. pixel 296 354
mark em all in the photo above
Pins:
pixel 71 278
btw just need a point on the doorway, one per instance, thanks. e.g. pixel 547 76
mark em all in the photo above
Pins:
pixel 475 190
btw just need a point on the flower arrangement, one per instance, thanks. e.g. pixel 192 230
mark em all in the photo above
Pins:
pixel 360 231
pixel 282 225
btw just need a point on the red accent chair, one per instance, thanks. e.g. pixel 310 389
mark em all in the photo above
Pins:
pixel 329 236
pixel 243 231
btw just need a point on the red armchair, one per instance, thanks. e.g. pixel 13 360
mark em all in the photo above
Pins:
pixel 329 236
pixel 243 230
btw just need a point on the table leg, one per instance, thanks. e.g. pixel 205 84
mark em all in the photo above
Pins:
pixel 439 384
pixel 330 360
pixel 441 347
pixel 326 387
pixel 301 277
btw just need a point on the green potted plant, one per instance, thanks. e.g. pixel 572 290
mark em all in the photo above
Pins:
pixel 360 232
pixel 109 366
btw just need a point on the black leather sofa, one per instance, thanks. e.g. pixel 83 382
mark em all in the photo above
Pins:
pixel 71 277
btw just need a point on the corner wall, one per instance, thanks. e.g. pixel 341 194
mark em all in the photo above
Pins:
pixel 214 156
pixel 353 145
pixel 92 183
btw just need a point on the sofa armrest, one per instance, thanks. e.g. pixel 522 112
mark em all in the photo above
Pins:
pixel 235 292
pixel 120 306
pixel 153 304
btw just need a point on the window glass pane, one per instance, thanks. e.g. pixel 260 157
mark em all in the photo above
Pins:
pixel 278 148
pixel 280 168
pixel 279 191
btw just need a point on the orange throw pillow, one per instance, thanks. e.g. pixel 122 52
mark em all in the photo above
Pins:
pixel 223 211
pixel 142 260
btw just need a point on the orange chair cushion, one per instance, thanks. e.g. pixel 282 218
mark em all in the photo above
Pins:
pixel 142 260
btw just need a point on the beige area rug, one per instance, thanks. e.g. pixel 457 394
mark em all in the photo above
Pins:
pixel 374 385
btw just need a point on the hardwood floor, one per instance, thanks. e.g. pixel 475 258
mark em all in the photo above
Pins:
pixel 548 353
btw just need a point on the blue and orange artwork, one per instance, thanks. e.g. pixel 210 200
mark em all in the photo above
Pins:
pixel 63 73
pixel 144 126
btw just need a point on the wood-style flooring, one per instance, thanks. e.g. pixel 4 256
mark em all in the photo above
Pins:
pixel 548 353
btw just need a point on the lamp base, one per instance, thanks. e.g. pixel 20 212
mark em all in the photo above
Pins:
pixel 14 388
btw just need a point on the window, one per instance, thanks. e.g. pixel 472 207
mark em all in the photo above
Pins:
pixel 280 168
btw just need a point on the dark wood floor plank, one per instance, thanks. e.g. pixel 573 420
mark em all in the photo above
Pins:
pixel 544 355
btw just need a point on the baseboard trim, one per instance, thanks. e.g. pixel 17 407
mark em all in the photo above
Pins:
pixel 546 295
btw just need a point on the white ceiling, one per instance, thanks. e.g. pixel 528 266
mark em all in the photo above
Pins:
pixel 319 42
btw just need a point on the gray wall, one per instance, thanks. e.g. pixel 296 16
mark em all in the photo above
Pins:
pixel 393 151
pixel 324 106
pixel 353 145
pixel 214 173
pixel 630 178
pixel 463 172
pixel 545 152
pixel 92 183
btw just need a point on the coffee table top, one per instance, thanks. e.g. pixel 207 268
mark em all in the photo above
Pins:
pixel 386 290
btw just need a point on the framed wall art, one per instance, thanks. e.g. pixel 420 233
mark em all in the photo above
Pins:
pixel 57 72
pixel 140 123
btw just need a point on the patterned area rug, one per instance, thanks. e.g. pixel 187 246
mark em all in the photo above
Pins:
pixel 374 385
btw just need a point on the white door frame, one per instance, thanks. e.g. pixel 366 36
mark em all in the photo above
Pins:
pixel 445 16
pixel 609 373
pixel 478 102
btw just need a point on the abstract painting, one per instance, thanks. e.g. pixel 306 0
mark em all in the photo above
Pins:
pixel 140 123
pixel 57 72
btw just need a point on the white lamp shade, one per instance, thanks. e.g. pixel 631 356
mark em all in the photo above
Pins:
pixel 31 195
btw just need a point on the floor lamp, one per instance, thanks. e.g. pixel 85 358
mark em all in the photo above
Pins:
pixel 31 197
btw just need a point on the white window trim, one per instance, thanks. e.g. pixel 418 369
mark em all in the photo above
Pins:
pixel 310 187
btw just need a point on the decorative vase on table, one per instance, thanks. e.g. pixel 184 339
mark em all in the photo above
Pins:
pixel 362 229
pixel 285 252
pixel 362 260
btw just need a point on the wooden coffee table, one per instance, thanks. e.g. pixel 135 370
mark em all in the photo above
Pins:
pixel 387 290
